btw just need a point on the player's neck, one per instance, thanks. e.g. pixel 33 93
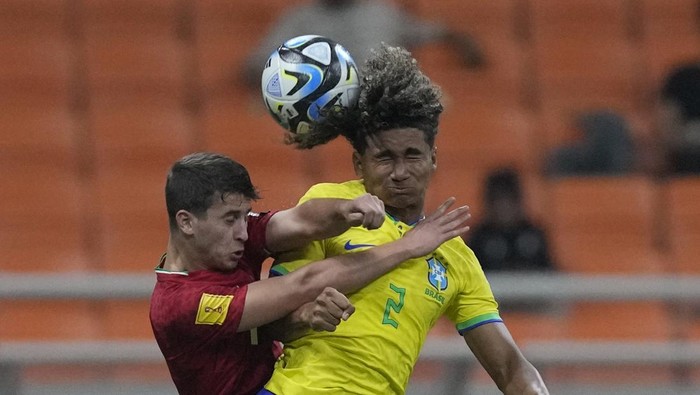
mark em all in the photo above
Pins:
pixel 178 259
pixel 408 216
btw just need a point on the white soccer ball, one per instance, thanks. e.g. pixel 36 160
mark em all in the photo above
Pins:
pixel 305 76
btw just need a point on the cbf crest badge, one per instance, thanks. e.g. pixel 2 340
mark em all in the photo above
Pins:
pixel 437 274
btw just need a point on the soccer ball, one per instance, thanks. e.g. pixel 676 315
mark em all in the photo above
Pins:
pixel 306 75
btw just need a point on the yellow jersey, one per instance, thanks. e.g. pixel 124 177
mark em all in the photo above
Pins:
pixel 375 350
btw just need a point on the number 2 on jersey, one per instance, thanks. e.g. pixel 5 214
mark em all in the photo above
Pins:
pixel 392 304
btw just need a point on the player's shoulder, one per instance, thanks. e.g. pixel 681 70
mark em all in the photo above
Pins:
pixel 343 190
pixel 456 249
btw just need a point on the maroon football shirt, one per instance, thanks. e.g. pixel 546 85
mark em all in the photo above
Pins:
pixel 195 319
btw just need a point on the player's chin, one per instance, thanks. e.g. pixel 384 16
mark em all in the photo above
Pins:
pixel 402 200
pixel 230 263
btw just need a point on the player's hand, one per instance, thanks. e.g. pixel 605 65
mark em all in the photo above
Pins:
pixel 437 228
pixel 326 312
pixel 366 210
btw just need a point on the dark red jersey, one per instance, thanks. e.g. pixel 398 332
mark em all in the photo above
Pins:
pixel 195 318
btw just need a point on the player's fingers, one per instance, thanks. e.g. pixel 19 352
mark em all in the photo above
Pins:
pixel 460 214
pixel 442 208
pixel 356 219
pixel 373 220
pixel 327 325
pixel 348 312
pixel 456 222
pixel 328 307
pixel 341 302
pixel 374 214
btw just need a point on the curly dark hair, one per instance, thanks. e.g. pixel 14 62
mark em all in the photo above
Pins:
pixel 394 94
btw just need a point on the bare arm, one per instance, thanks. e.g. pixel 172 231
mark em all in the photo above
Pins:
pixel 495 349
pixel 318 219
pixel 271 299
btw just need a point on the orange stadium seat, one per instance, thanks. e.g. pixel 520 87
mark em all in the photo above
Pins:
pixel 143 64
pixel 484 136
pixel 602 71
pixel 37 130
pixel 131 218
pixel 126 319
pixel 457 181
pixel 232 123
pixel 37 18
pixel 671 36
pixel 619 321
pixel 126 249
pixel 677 17
pixel 43 194
pixel 134 45
pixel 604 225
pixel 500 81
pixel 583 48
pixel 227 32
pixel 492 24
pixel 556 125
pixel 579 18
pixel 44 245
pixel 35 70
pixel 663 54
pixel 49 320
pixel 527 326
pixel 146 126
pixel 608 320
pixel 133 17
pixel 466 184
pixel 682 197
pixel 479 18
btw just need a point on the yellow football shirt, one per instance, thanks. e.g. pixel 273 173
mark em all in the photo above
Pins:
pixel 375 350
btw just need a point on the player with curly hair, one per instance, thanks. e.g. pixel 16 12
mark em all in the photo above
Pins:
pixel 392 130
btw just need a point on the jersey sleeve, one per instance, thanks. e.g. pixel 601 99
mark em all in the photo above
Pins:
pixel 255 251
pixel 195 315
pixel 293 260
pixel 314 251
pixel 474 304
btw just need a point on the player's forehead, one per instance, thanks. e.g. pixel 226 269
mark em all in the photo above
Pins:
pixel 229 202
pixel 397 141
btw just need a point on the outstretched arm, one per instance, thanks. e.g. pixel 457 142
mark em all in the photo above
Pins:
pixel 318 219
pixel 271 299
pixel 495 349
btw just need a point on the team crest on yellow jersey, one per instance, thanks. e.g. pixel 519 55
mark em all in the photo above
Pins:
pixel 437 274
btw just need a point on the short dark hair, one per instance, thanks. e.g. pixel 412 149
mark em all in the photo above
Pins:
pixel 394 94
pixel 194 180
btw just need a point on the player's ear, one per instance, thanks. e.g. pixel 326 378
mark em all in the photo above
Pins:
pixel 184 221
pixel 357 164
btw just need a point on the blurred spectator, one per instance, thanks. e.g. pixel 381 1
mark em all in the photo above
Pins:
pixel 679 119
pixel 605 147
pixel 358 25
pixel 507 239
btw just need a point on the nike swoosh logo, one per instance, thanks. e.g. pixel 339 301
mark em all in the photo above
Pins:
pixel 349 246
